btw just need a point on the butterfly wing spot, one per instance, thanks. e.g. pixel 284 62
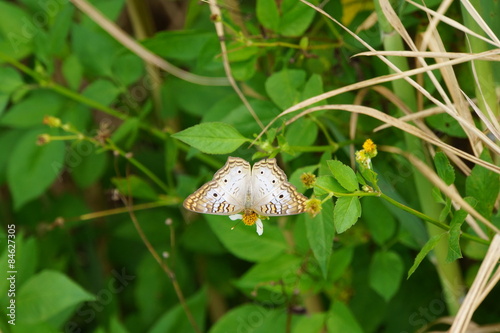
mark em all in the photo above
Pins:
pixel 272 194
pixel 287 201
pixel 223 194
pixel 237 187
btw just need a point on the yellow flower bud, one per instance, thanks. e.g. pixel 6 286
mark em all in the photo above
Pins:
pixel 313 206
pixel 52 121
pixel 43 139
pixel 308 179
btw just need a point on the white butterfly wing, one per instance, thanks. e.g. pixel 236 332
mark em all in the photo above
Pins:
pixel 272 194
pixel 226 193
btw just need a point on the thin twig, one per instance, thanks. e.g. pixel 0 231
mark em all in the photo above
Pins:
pixel 168 271
pixel 219 28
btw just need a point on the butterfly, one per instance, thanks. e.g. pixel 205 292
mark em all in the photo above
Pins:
pixel 237 187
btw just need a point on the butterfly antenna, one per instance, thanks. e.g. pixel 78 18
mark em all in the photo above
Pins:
pixel 234 226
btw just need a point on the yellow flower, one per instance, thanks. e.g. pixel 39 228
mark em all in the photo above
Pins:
pixel 250 217
pixel 313 206
pixel 308 179
pixel 370 148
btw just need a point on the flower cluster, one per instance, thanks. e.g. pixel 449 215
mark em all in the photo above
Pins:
pixel 308 179
pixel 364 156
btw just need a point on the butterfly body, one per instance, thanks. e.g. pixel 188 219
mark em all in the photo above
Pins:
pixel 237 187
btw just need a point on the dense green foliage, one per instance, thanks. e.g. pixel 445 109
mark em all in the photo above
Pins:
pixel 98 150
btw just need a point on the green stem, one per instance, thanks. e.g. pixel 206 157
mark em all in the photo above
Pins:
pixel 304 149
pixel 431 220
pixel 139 166
pixel 47 83
pixel 410 210
pixel 485 84
pixel 449 273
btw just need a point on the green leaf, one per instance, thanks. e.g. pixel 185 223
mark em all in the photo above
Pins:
pixel 171 157
pixel 58 32
pixel 98 56
pixel 296 18
pixel 282 87
pixel 16 31
pixel 239 53
pixel 26 257
pixel 129 68
pixel 4 101
pixel 323 166
pixel 346 212
pixel 101 91
pixel 341 319
pixel 329 183
pixel 281 268
pixel 175 319
pixel 127 133
pixel 32 169
pixel 295 177
pixel 302 132
pixel 135 187
pixel 243 241
pixel 252 318
pixel 116 325
pixel 386 272
pixel 212 138
pixel 191 98
pixel 379 220
pixel 446 124
pixel 183 45
pixel 8 139
pixel 268 14
pixel 313 87
pixel 431 243
pixel 31 110
pixel 88 167
pixel 72 71
pixel 78 115
pixel 438 197
pixel 370 175
pixel 47 294
pixel 456 222
pixel 312 323
pixel 446 210
pixel 245 69
pixel 340 261
pixel 200 238
pixel 344 175
pixel 444 169
pixel 483 185
pixel 11 80
pixel 320 233
pixel 232 111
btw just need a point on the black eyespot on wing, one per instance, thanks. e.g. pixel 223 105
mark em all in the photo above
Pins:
pixel 239 171
pixel 225 180
pixel 215 194
pixel 262 172
pixel 281 196
pixel 274 181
